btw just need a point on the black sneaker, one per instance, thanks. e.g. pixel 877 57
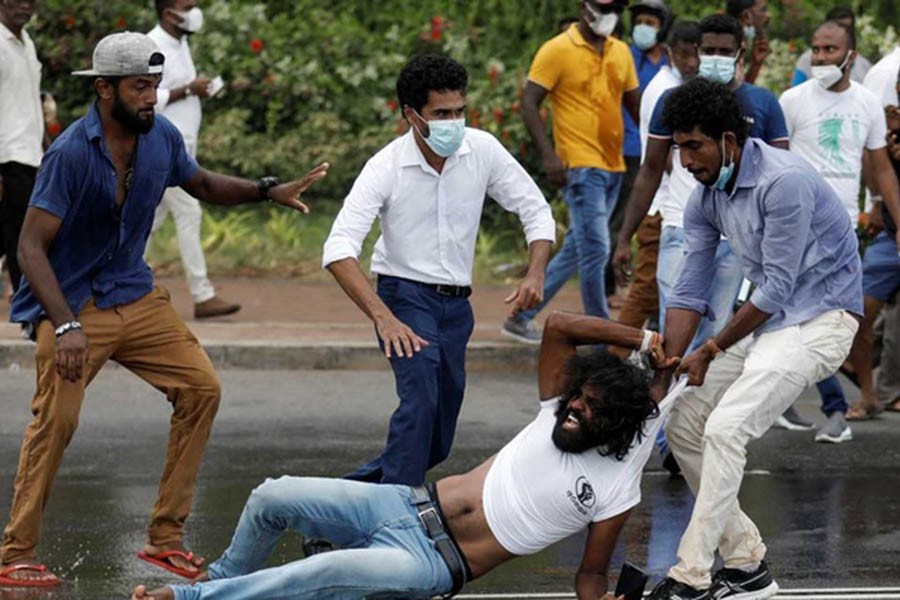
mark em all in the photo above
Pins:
pixel 735 584
pixel 313 546
pixel 669 589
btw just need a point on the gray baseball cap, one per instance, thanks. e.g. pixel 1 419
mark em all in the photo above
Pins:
pixel 125 54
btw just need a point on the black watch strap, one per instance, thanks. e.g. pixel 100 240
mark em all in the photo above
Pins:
pixel 264 185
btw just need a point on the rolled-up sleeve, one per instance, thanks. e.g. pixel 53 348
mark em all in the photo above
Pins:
pixel 701 240
pixel 513 189
pixel 788 216
pixel 353 222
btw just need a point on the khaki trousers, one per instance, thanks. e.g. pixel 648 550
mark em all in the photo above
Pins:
pixel 643 295
pixel 148 338
pixel 745 390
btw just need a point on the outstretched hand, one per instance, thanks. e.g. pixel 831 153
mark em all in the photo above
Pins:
pixel 528 294
pixel 288 194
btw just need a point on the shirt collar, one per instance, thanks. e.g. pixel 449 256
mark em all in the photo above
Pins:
pixel 5 32
pixel 749 158
pixel 92 125
pixel 410 155
pixel 575 36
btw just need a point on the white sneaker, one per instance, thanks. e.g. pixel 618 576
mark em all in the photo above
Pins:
pixel 835 430
pixel 792 421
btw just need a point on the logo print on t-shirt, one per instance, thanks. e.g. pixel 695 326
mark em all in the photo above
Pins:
pixel 584 492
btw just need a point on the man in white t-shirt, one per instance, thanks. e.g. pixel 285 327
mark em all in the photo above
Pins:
pixel 179 96
pixel 833 123
pixel 577 465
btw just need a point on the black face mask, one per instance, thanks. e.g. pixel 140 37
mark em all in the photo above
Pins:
pixel 130 120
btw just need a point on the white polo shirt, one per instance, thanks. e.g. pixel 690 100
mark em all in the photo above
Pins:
pixel 178 71
pixel 881 79
pixel 429 220
pixel 21 115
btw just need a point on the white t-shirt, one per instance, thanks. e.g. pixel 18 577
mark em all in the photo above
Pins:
pixel 535 494
pixel 178 71
pixel 665 79
pixel 881 79
pixel 831 129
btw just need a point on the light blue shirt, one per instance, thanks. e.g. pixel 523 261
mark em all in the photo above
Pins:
pixel 790 231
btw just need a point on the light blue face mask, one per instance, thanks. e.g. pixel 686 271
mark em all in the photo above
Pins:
pixel 444 136
pixel 718 68
pixel 725 171
pixel 749 33
pixel 644 36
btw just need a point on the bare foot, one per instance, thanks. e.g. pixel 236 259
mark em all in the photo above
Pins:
pixel 35 572
pixel 203 576
pixel 192 566
pixel 141 593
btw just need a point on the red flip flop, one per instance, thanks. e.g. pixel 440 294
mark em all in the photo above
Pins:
pixel 159 559
pixel 6 581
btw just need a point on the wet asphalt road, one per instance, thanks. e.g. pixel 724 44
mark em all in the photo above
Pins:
pixel 830 514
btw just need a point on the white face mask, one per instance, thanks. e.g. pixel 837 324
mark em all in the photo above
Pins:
pixel 192 20
pixel 602 24
pixel 828 75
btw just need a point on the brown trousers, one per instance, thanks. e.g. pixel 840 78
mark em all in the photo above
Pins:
pixel 643 294
pixel 149 339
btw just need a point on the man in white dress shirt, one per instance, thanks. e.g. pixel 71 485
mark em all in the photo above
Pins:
pixel 179 101
pixel 428 188
pixel 21 124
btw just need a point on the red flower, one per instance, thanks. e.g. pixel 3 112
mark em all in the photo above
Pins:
pixel 504 135
pixel 70 22
pixel 54 128
pixel 256 45
pixel 498 115
pixel 435 35
pixel 120 23
pixel 514 108
pixel 392 105
pixel 437 22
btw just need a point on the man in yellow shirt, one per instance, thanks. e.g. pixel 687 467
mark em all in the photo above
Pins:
pixel 588 75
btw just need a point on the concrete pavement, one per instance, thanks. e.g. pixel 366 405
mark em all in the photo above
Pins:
pixel 294 324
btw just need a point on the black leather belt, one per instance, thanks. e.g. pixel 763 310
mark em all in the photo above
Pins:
pixel 454 291
pixel 425 501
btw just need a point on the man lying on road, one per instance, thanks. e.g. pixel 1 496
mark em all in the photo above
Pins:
pixel 577 465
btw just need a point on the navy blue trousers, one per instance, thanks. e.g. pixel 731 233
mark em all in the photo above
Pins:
pixel 430 385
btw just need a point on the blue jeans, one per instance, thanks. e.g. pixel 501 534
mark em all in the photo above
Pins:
pixel 832 394
pixel 723 290
pixel 430 385
pixel 591 195
pixel 386 551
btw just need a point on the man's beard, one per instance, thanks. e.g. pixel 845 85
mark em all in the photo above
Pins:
pixel 578 441
pixel 130 120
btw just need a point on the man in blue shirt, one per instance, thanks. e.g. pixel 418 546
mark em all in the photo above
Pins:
pixel 88 296
pixel 797 246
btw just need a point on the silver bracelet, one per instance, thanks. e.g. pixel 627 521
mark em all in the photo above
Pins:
pixel 67 327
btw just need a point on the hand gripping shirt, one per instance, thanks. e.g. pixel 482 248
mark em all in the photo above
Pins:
pixel 535 494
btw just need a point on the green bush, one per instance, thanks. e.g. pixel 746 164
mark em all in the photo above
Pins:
pixel 310 80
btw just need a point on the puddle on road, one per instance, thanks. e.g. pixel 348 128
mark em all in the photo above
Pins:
pixel 821 530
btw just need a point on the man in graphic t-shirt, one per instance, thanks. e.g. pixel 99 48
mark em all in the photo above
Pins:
pixel 833 122
pixel 577 465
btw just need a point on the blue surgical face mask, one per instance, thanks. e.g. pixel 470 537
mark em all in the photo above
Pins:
pixel 749 33
pixel 444 136
pixel 725 171
pixel 644 36
pixel 718 68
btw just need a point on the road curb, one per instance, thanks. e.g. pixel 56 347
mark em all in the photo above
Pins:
pixel 484 357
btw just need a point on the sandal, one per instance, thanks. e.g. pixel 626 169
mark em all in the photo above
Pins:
pixel 861 412
pixel 7 581
pixel 160 559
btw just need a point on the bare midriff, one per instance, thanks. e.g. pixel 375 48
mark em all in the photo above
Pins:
pixel 460 498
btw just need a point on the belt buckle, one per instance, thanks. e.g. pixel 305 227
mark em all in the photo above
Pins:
pixel 433 526
pixel 444 290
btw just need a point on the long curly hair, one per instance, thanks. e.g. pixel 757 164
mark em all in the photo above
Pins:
pixel 624 404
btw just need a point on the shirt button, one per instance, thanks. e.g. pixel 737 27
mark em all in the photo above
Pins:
pixel 109 257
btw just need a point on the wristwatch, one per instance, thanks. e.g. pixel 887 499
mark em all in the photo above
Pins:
pixel 188 92
pixel 264 185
